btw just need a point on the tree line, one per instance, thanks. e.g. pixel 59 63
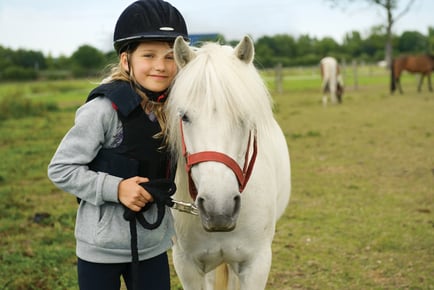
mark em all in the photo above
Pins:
pixel 305 50
pixel 282 49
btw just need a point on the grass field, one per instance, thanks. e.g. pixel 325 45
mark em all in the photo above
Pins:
pixel 361 214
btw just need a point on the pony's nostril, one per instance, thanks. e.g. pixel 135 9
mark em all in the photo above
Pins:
pixel 237 204
pixel 201 204
pixel 200 201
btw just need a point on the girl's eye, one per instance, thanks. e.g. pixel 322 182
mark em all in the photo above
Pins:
pixel 171 57
pixel 148 55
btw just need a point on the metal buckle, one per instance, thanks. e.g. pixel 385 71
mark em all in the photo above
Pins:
pixel 186 207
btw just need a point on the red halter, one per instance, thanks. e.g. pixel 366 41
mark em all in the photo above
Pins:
pixel 195 158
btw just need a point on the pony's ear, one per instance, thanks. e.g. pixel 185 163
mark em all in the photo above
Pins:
pixel 182 52
pixel 245 50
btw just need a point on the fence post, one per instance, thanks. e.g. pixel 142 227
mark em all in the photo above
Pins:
pixel 355 76
pixel 278 78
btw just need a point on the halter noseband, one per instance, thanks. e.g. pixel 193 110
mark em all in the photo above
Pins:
pixel 242 175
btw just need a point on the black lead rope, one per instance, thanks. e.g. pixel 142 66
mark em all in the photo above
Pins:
pixel 161 191
pixel 134 254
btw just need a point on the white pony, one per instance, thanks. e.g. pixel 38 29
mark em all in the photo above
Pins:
pixel 221 125
pixel 331 80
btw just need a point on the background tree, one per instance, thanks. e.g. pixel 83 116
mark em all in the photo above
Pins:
pixel 352 44
pixel 393 14
pixel 306 44
pixel 327 46
pixel 430 39
pixel 263 53
pixel 87 60
pixel 373 45
pixel 280 48
pixel 413 42
pixel 29 59
pixel 307 48
pixel 270 51
pixel 20 64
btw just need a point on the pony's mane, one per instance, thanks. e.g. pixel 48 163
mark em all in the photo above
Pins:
pixel 216 81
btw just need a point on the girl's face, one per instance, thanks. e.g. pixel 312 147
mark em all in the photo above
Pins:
pixel 152 65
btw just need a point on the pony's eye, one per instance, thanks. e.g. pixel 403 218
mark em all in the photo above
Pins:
pixel 185 118
pixel 183 115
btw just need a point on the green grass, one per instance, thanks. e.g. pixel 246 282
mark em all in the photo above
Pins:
pixel 361 211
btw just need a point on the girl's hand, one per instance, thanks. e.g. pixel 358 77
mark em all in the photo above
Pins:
pixel 132 195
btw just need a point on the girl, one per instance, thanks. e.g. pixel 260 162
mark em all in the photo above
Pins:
pixel 116 144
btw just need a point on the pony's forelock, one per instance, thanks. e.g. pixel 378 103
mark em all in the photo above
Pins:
pixel 216 81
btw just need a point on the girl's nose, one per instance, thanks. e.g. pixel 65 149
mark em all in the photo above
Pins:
pixel 159 65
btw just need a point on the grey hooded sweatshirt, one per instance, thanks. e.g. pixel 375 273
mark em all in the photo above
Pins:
pixel 101 232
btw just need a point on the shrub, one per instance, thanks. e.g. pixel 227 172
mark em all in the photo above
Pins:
pixel 17 106
pixel 18 73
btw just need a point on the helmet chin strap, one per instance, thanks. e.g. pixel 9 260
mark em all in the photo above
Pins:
pixel 159 97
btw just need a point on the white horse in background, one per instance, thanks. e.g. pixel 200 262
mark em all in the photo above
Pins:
pixel 233 164
pixel 332 81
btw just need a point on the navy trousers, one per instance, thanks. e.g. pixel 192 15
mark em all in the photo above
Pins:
pixel 154 274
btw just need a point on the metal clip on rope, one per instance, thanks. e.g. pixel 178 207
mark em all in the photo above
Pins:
pixel 186 207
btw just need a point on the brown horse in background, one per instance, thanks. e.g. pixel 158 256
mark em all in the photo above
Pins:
pixel 423 64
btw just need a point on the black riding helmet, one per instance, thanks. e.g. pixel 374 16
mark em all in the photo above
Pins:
pixel 148 20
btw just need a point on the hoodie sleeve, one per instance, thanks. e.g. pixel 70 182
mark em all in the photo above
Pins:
pixel 96 124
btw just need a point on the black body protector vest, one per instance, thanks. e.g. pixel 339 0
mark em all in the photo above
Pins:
pixel 139 153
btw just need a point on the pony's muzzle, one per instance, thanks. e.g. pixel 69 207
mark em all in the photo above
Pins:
pixel 219 219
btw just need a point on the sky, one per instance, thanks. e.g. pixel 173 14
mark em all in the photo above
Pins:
pixel 59 27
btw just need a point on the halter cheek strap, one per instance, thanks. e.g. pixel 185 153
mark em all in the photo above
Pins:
pixel 242 175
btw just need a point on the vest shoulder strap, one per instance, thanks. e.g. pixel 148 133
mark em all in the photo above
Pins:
pixel 120 93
